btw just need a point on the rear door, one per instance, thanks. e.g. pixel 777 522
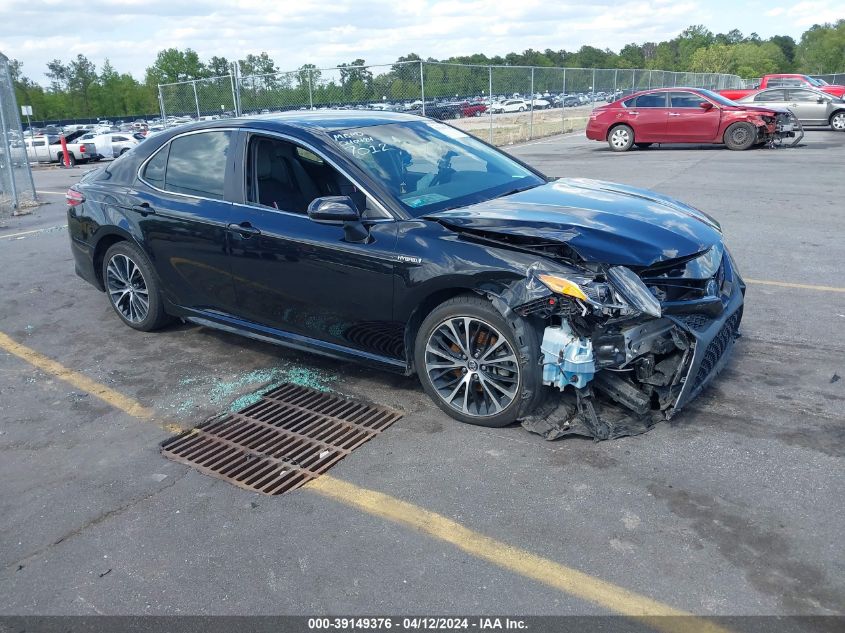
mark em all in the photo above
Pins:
pixel 688 122
pixel 181 208
pixel 805 104
pixel 648 117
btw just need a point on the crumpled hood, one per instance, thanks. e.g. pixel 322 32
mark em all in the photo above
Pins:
pixel 602 222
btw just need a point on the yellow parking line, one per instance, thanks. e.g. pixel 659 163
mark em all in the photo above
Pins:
pixel 655 614
pixel 786 284
pixel 81 382
pixel 515 559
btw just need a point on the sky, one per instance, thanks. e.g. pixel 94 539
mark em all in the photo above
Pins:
pixel 327 32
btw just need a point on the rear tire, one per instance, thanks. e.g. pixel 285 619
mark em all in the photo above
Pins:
pixel 620 138
pixel 740 136
pixel 493 392
pixel 71 159
pixel 132 288
pixel 837 121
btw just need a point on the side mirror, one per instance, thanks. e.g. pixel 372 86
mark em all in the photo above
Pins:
pixel 333 210
pixel 821 100
pixel 705 105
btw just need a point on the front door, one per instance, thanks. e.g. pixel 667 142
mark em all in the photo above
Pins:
pixel 688 122
pixel 306 278
pixel 805 104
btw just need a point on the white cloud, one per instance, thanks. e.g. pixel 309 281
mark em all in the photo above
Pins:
pixel 130 32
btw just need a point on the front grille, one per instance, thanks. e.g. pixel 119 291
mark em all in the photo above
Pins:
pixel 695 322
pixel 717 347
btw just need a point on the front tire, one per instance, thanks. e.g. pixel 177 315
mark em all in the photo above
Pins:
pixel 740 136
pixel 837 121
pixel 477 366
pixel 620 138
pixel 132 288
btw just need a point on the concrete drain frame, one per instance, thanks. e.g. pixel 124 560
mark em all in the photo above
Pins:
pixel 292 435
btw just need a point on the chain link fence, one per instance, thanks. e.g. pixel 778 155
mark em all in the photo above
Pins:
pixel 17 189
pixel 500 104
pixel 834 78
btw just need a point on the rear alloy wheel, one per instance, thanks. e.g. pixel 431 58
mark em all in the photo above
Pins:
pixel 837 121
pixel 621 138
pixel 740 136
pixel 132 288
pixel 470 363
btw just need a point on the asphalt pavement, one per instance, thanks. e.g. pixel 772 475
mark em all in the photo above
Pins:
pixel 736 507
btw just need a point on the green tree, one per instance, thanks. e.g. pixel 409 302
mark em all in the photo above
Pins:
pixel 822 48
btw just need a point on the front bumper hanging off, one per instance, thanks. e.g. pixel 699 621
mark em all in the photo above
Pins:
pixel 788 131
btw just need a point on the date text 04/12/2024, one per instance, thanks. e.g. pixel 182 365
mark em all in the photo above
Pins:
pixel 415 624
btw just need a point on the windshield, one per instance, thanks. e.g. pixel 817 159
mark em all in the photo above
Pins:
pixel 814 81
pixel 430 166
pixel 714 96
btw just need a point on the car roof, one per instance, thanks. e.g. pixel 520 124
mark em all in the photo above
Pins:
pixel 324 120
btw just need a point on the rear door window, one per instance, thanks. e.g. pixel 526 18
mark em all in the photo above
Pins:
pixel 653 100
pixel 771 95
pixel 197 163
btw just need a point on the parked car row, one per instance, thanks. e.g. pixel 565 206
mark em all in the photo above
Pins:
pixel 695 115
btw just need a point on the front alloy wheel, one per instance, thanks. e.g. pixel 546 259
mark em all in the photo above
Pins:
pixel 127 288
pixel 472 366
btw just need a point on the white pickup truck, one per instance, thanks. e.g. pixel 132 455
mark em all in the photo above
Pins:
pixel 48 149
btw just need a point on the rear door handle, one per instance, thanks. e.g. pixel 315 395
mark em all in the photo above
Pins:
pixel 633 112
pixel 244 229
pixel 144 208
pixel 674 114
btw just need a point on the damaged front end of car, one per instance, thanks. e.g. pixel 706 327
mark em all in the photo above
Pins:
pixel 623 349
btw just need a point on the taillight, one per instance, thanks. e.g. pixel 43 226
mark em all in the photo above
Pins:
pixel 81 149
pixel 74 198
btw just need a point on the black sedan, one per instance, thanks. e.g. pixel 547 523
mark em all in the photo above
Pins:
pixel 575 306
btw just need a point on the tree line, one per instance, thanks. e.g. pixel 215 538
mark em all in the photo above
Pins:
pixel 77 89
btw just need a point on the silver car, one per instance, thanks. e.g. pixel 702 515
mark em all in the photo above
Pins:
pixel 812 107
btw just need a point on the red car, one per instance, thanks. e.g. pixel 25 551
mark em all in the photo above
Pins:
pixel 684 115
pixel 473 108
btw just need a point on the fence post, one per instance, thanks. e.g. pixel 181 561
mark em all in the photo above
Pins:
pixel 615 73
pixel 490 107
pixel 7 152
pixel 563 105
pixel 196 98
pixel 422 85
pixel 161 106
pixel 593 91
pixel 531 110
pixel 310 89
pixel 234 98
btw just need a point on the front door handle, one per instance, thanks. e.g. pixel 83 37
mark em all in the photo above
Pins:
pixel 144 208
pixel 244 229
pixel 674 114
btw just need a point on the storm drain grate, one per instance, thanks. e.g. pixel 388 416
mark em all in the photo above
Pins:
pixel 292 435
